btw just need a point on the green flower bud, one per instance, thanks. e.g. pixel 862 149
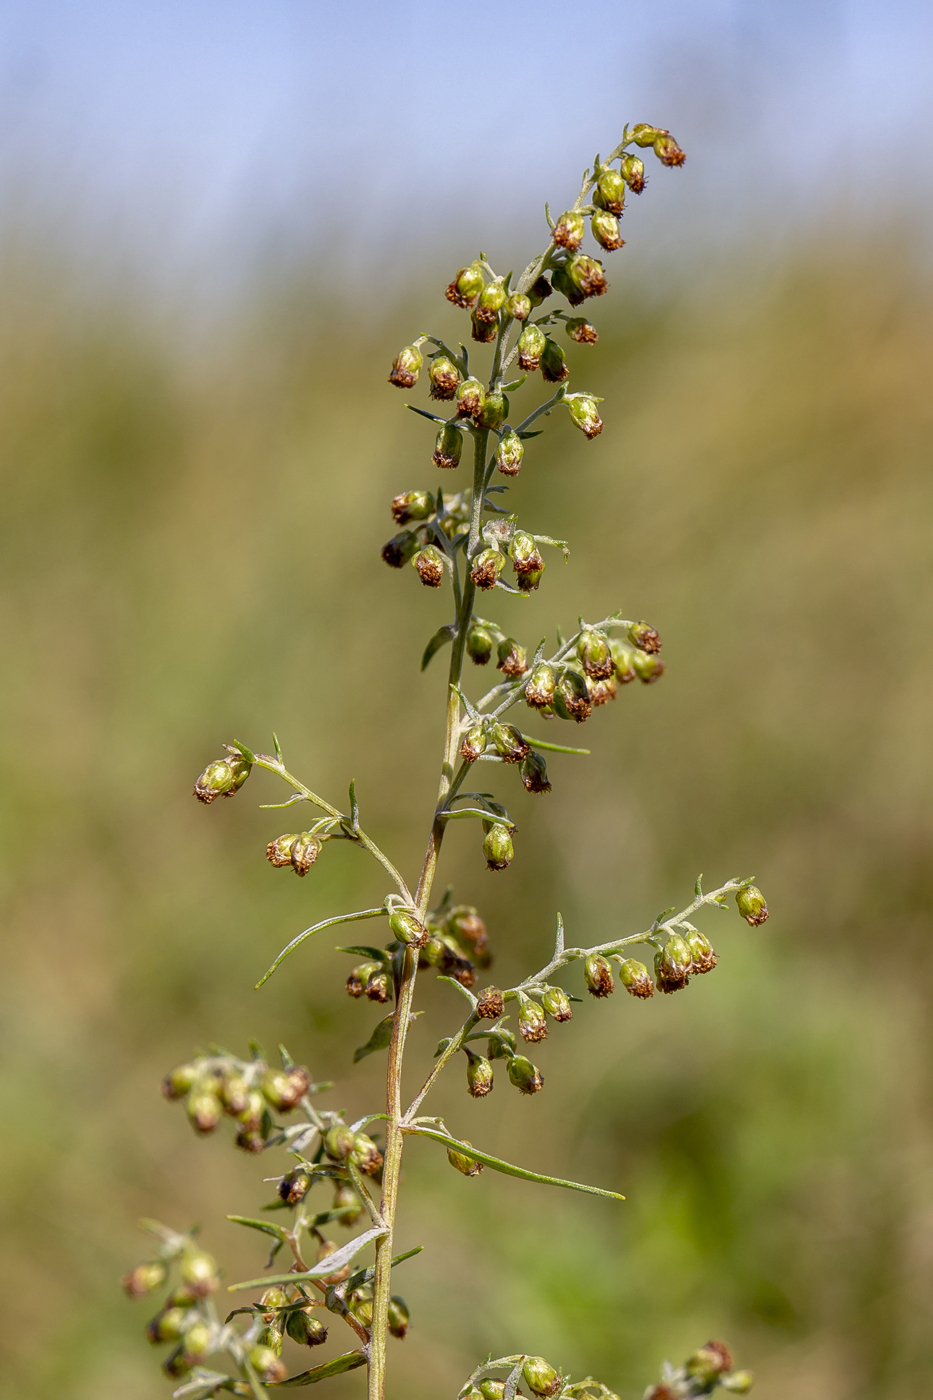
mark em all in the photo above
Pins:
pixel 497 847
pixel 634 978
pixel 339 1142
pixel 531 345
pixel 609 193
pixel 167 1326
pixel 647 668
pixel 509 453
pixel 752 906
pixel 673 965
pixel 739 1383
pixel 534 773
pixel 399 549
pixel 464 923
pixel 491 301
pixel 304 1328
pixel 490 1004
pixel 540 1378
pixel 511 658
pixel 218 779
pixel 378 986
pixel 145 1278
pixel 572 698
pixel 501 1045
pixel 524 1075
pixel 359 976
pixel 598 976
pixel 468 1165
pixel 518 306
pixel 557 1004
pixel 448 447
pixel 406 367
pixel 494 411
pixel 542 684
pixel 198 1273
pixel 295 1185
pixel 622 660
pixel 667 150
pixel 254 1114
pixel 429 562
pixel 285 1088
pixel 643 636
pixel 569 229
pixel 587 275
pixel 702 952
pixel 482 329
pixel 708 1363
pixel 479 1075
pixel 632 170
pixel 412 505
pixel 553 363
pixel 644 135
pixel 204 1110
pixel 580 330
pixel 487 566
pixel 176 1365
pixel 268 1366
pixel 362 1310
pixel 178 1081
pixel 234 1091
pixel 466 286
pixel 399 1317
pixel 562 283
pixel 601 692
pixel 408 928
pixel 474 743
pixel 539 291
pixel 526 558
pixel 532 1024
pixel 491 1389
pixel 305 852
pixel 470 398
pixel 346 1199
pixel 605 229
pixel 197 1343
pixel 444 376
pixel 584 413
pixel 479 644
pixel 438 953
pixel 593 651
pixel 272 1299
pixel 510 744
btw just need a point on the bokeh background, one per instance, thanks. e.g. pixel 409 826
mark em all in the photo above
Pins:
pixel 219 222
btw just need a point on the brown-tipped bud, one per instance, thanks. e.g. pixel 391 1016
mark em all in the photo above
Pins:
pixel 673 965
pixel 525 556
pixel 305 852
pixel 145 1278
pixel 464 923
pixel 532 1023
pixel 643 636
pixel 217 780
pixel 539 291
pixel 470 398
pixel 509 454
pixel 751 905
pixel 399 549
pixel 540 1377
pixel 647 668
pixel 701 950
pixel 584 414
pixel 412 505
pixel 553 362
pixel 487 566
pixel 482 330
pixel 512 660
pixel 467 1165
pixel 365 1154
pixel 438 953
pixel 378 986
pixel 359 976
pixel 497 847
pixel 295 1185
pixel 464 972
pixel 429 563
pixel 339 1142
pixel 580 330
pixel 587 275
pixel 490 1004
pixel 572 698
pixel 249 1140
pixel 601 692
pixel 531 345
pixel 667 150
pixel 510 744
pixel 448 447
pixel 479 1075
pixel 568 289
pixel 491 301
pixel 593 650
pixel 501 1046
pixel 408 928
pixel 167 1326
pixel 269 1367
pixel 739 1383
pixel 252 1117
pixel 466 286
pixel 479 644
pixel 284 1089
pixel 609 193
pixel 625 672
pixel 569 229
pixel 279 851
pixel 444 376
pixel 632 170
pixel 708 1363
pixel 273 1299
pixel 399 1317
pixel 176 1365
pixel 645 135
pixel 474 743
pixel 605 229
pixel 234 1091
pixel 534 773
pixel 557 1004
pixel 198 1273
pixel 406 367
pixel 634 978
pixel 494 411
pixel 204 1110
pixel 304 1328
pixel 524 1075
pixel 598 976
pixel 541 687
pixel 346 1199
pixel 518 306
pixel 178 1081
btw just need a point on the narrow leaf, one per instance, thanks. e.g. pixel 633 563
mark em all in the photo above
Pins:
pixel 553 748
pixel 348 1362
pixel 202 1384
pixel 365 950
pixel 277 746
pixel 316 928
pixel 365 1276
pixel 266 1226
pixel 247 753
pixel 485 812
pixel 559 941
pixel 331 1265
pixel 506 1167
pixel 425 414
pixel 354 807
pixel 698 887
pixel 441 637
pixel 379 1040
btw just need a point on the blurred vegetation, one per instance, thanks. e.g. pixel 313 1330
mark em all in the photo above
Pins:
pixel 190 553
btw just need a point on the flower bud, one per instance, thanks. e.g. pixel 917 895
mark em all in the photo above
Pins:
pixel 197 1342
pixel 643 636
pixel 491 1389
pixel 622 658
pixel 584 413
pixel 305 852
pixel 703 954
pixel 501 1045
pixel 359 976
pixel 234 1091
pixel 557 1004
pixel 598 976
pixel 566 287
pixel 539 291
pixel 285 1088
pixel 510 744
pixel 346 1199
pixel 479 1075
pixel 509 453
pixel 531 345
pixel 268 1366
pixel 479 643
pixel 444 376
pixel 399 1317
pixel 487 566
pixel 739 1383
pixel 204 1110
pixel 408 928
pixel 362 1309
pixel 448 447
pixel 534 773
pixel 580 330
pixel 178 1081
pixel 406 367
pixel 494 411
pixel 252 1116
pixel 474 743
pixel 632 170
pixel 470 398
pixel 145 1278
pixel 249 1140
pixel 295 1185
pixel 176 1365
pixel 365 1154
pixel 708 1363
pixel 524 1075
pixel 593 651
pixel 634 978
pixel 490 1004
pixel 587 275
pixel 279 851
pixel 339 1142
pixel 569 229
pixel 491 301
pixel 526 558
pixel 601 692
pixel 412 505
pixel 667 150
pixel 497 847
pixel 644 135
pixel 464 922
pixel 511 658
pixel 647 668
pixel 304 1328
pixel 542 683
pixel 378 986
pixel 466 286
pixel 167 1326
pixel 609 193
pixel 605 229
pixel 198 1273
pixel 673 965
pixel 572 698
pixel 752 906
pixel 518 306
pixel 218 779
pixel 429 563
pixel 532 1024
pixel 482 330
pixel 468 1165
pixel 553 363
pixel 540 1377
pixel 399 549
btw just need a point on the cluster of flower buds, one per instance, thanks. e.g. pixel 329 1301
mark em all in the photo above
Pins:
pixel 248 1091
pixel 224 777
pixel 360 1303
pixel 452 939
pixel 504 542
pixel 704 1371
pixel 183 1320
pixel 665 147
pixel 434 517
pixel 707 1369
pixel 299 849
pixel 501 1043
pixel 572 687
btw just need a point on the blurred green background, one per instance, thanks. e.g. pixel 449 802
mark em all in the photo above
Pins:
pixel 191 532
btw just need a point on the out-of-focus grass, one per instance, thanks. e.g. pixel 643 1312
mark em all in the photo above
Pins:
pixel 190 553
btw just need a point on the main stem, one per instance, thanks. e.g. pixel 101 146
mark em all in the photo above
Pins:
pixel 406 988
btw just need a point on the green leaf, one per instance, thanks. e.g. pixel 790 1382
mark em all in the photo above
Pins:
pixel 316 928
pixel 331 1265
pixel 553 748
pixel 379 1040
pixel 364 1276
pixel 267 1227
pixel 247 753
pixel 506 1167
pixel 354 807
pixel 201 1384
pixel 277 746
pixel 365 950
pixel 441 637
pixel 425 414
pixel 514 384
pixel 442 1045
pixel 530 433
pixel 698 887
pixel 335 1367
